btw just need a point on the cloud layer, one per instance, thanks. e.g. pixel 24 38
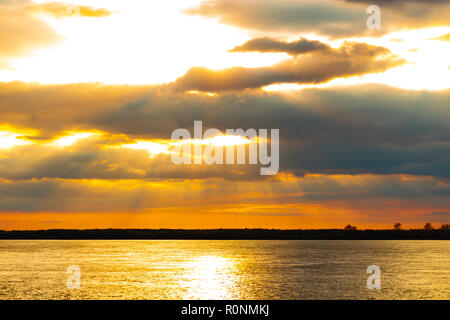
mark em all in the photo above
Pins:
pixel 332 18
pixel 22 29
pixel 368 154
pixel 374 129
pixel 266 44
pixel 319 66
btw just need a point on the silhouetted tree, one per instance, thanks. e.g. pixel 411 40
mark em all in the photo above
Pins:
pixel 397 226
pixel 349 227
pixel 428 226
pixel 445 227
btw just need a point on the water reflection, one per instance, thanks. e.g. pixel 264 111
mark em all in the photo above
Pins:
pixel 190 269
pixel 210 277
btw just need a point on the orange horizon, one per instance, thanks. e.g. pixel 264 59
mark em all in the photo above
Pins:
pixel 84 221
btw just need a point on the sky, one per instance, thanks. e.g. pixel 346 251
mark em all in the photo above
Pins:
pixel 91 91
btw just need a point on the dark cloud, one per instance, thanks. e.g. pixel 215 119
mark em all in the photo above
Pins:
pixel 90 160
pixel 364 147
pixel 354 130
pixel 56 108
pixel 331 18
pixel 398 2
pixel 325 17
pixel 272 45
pixel 56 195
pixel 351 59
pixel 372 186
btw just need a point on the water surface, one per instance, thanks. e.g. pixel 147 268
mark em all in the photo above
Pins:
pixel 228 269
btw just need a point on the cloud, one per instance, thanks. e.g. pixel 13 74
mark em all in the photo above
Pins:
pixel 397 2
pixel 53 109
pixel 21 33
pixel 353 130
pixel 443 217
pixel 276 196
pixel 346 154
pixel 90 159
pixel 325 17
pixel 332 18
pixel 22 30
pixel 351 59
pixel 272 45
pixel 62 10
pixel 443 38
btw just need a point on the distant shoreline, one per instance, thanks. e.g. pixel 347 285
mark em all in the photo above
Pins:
pixel 224 234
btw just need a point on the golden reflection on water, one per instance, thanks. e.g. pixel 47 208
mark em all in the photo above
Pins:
pixel 191 269
pixel 210 277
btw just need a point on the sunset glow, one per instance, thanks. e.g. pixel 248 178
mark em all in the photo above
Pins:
pixel 72 137
pixel 92 90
